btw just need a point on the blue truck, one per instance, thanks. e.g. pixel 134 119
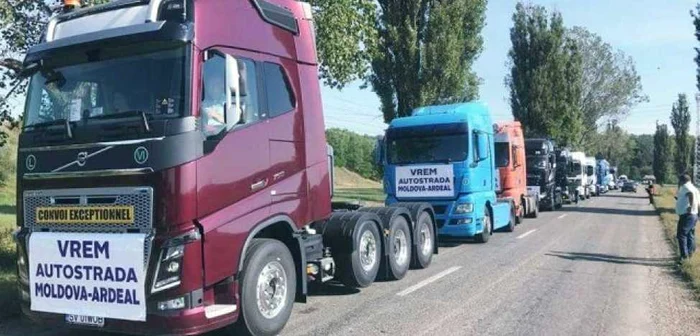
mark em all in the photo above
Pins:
pixel 602 172
pixel 444 155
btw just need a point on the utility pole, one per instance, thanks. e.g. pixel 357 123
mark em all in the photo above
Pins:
pixel 696 159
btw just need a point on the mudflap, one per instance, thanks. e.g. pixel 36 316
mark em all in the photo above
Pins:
pixel 501 213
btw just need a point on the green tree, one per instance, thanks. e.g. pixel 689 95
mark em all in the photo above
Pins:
pixel 696 21
pixel 545 75
pixel 680 121
pixel 354 152
pixel 345 30
pixel 662 153
pixel 424 53
pixel 610 85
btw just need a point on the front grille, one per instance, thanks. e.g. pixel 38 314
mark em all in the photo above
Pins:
pixel 141 198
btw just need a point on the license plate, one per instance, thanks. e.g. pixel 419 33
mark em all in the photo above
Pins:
pixel 92 321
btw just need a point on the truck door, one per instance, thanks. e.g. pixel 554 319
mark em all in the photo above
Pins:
pixel 237 167
pixel 286 139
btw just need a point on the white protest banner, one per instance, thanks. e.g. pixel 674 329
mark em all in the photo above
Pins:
pixel 425 181
pixel 88 274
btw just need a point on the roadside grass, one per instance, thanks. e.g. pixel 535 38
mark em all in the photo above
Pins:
pixel 8 285
pixel 665 205
pixel 368 196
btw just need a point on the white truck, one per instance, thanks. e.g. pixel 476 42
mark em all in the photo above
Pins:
pixel 578 178
pixel 592 179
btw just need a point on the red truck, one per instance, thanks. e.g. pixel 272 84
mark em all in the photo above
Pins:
pixel 174 176
pixel 510 161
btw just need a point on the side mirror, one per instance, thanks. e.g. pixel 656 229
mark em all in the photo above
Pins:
pixel 482 150
pixel 233 92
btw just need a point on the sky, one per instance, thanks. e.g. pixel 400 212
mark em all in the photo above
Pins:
pixel 658 35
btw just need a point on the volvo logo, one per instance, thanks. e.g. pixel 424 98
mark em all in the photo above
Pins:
pixel 30 162
pixel 82 158
pixel 141 155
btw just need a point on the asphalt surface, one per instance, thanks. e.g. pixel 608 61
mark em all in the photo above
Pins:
pixel 602 267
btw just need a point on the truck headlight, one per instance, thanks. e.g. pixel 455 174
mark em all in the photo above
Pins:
pixel 169 269
pixel 464 208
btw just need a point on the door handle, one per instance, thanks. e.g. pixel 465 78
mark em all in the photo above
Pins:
pixel 258 185
pixel 278 176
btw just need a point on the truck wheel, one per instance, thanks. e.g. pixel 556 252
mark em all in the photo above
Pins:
pixel 511 223
pixel 560 201
pixel 552 202
pixel 268 288
pixel 399 248
pixel 536 210
pixel 425 241
pixel 576 197
pixel 484 236
pixel 521 212
pixel 359 269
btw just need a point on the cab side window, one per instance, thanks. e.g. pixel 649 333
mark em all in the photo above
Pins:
pixel 280 96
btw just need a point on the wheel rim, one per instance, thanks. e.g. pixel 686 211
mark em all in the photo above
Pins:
pixel 400 247
pixel 426 240
pixel 368 248
pixel 272 289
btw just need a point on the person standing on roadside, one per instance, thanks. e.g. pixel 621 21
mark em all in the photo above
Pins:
pixel 687 201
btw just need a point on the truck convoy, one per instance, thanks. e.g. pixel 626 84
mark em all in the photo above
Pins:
pixel 578 177
pixel 174 176
pixel 592 179
pixel 510 161
pixel 444 156
pixel 541 173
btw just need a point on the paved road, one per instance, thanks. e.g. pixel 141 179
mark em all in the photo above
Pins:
pixel 600 268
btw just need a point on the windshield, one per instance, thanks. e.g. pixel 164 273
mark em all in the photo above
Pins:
pixel 576 169
pixel 152 82
pixel 537 162
pixel 502 154
pixel 428 149
pixel 535 148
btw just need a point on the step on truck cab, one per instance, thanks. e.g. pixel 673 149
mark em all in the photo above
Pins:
pixel 578 178
pixel 592 182
pixel 565 166
pixel 174 176
pixel 444 156
pixel 510 161
pixel 541 173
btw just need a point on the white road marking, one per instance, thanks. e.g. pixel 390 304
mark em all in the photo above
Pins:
pixel 562 216
pixel 428 281
pixel 525 234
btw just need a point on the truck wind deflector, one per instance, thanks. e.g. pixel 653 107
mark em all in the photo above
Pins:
pixel 147 32
pixel 278 16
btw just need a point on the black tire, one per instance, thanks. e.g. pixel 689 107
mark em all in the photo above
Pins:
pixel 484 236
pixel 536 211
pixel 262 255
pixel 576 197
pixel 552 202
pixel 511 223
pixel 351 271
pixel 560 202
pixel 424 242
pixel 399 247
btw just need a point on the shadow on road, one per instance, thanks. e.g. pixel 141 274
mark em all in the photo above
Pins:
pixel 625 195
pixel 612 211
pixel 576 256
pixel 331 289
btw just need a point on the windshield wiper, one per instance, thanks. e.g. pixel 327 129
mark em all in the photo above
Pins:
pixel 62 121
pixel 126 114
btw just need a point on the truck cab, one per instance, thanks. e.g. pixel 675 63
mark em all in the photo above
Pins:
pixel 564 168
pixel 578 178
pixel 602 172
pixel 510 161
pixel 444 155
pixel 541 173
pixel 592 182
